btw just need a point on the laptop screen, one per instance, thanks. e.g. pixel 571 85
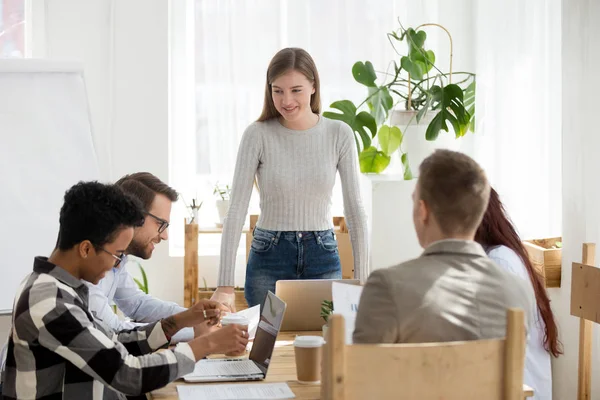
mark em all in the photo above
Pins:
pixel 266 333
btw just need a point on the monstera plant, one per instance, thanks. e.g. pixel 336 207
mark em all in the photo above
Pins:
pixel 415 84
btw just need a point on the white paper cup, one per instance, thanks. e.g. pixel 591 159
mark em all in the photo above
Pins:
pixel 232 319
pixel 308 352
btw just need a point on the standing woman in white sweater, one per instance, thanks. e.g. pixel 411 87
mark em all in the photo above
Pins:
pixel 294 153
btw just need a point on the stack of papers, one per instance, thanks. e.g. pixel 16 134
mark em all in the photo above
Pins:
pixel 253 315
pixel 255 391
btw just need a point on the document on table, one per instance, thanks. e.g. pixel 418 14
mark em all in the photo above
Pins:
pixel 345 302
pixel 253 315
pixel 258 391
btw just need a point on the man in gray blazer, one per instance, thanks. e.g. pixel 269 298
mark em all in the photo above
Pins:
pixel 453 291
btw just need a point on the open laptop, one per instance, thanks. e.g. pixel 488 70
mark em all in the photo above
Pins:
pixel 303 299
pixel 255 367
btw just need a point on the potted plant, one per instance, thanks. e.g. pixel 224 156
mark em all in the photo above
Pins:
pixel 193 208
pixel 222 192
pixel 415 83
pixel 326 311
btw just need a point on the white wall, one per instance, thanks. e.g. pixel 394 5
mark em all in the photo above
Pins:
pixel 581 189
pixel 124 46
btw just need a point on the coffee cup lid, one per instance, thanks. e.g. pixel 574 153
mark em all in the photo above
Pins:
pixel 234 319
pixel 308 341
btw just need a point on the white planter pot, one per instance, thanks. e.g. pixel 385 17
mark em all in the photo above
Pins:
pixel 325 327
pixel 414 143
pixel 222 208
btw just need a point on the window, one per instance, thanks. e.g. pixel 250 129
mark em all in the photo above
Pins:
pixel 233 42
pixel 12 28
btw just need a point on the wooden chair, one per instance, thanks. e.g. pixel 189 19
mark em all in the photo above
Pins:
pixel 481 369
pixel 585 304
pixel 342 237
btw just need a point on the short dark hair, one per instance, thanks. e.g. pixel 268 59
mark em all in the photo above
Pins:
pixel 144 186
pixel 456 190
pixel 96 212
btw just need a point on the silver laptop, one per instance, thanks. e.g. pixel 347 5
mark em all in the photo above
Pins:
pixel 255 367
pixel 303 299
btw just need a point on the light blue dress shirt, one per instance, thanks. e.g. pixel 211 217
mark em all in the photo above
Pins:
pixel 118 287
pixel 538 367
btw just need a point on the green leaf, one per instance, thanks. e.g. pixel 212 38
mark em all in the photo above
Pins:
pixel 140 285
pixel 373 160
pixel 364 73
pixel 406 166
pixel 389 138
pixel 414 68
pixel 144 279
pixel 380 103
pixel 425 108
pixel 425 58
pixel 416 40
pixel 358 122
pixel 449 101
pixel 469 101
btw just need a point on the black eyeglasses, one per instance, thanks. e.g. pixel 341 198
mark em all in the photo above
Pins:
pixel 164 224
pixel 118 259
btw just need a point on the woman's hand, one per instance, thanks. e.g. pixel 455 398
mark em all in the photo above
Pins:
pixel 226 296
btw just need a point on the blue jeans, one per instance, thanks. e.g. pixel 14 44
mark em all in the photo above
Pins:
pixel 289 255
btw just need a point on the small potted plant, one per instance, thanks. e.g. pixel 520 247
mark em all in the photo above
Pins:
pixel 222 192
pixel 326 311
pixel 193 208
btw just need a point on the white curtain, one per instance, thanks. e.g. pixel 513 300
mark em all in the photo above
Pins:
pixel 518 139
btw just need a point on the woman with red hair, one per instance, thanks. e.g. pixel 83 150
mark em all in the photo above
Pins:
pixel 501 242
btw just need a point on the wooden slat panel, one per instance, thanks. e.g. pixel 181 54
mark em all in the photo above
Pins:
pixel 426 371
pixel 582 276
pixel 515 354
pixel 333 372
pixel 190 265
pixel 585 292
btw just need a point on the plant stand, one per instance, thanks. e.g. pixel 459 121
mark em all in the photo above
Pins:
pixel 388 205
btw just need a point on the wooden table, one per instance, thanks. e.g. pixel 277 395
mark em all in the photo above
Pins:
pixel 282 369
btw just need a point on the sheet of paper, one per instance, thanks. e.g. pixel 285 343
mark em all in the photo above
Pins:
pixel 345 302
pixel 253 315
pixel 258 391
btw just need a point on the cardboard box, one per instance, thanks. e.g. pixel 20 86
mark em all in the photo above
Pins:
pixel 546 259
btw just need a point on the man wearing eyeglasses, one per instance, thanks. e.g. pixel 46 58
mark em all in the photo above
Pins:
pixel 118 286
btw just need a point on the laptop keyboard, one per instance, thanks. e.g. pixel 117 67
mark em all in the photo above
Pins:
pixel 225 368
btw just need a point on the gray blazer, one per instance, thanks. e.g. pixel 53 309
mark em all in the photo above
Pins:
pixel 453 291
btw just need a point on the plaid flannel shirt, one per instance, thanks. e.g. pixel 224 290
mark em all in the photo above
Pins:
pixel 56 349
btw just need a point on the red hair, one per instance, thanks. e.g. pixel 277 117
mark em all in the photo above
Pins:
pixel 496 229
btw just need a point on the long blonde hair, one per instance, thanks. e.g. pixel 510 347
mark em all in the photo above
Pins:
pixel 291 58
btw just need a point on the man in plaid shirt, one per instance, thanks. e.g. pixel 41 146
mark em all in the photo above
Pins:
pixel 57 350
